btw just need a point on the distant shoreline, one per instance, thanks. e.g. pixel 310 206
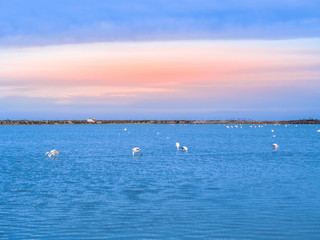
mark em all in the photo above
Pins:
pixel 70 122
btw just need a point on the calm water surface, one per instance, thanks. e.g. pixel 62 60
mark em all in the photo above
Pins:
pixel 230 185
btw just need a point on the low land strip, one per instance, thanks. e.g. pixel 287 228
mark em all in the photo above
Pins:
pixel 64 122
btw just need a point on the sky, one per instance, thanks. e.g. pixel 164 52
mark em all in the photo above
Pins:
pixel 160 59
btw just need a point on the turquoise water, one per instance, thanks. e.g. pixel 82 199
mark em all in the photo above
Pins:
pixel 231 184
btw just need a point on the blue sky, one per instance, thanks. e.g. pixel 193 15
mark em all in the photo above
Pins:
pixel 70 21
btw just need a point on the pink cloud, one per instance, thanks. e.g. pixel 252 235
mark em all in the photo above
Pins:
pixel 196 70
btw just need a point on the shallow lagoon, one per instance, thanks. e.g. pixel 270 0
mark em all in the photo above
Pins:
pixel 231 184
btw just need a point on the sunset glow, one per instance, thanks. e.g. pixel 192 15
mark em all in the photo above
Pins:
pixel 166 78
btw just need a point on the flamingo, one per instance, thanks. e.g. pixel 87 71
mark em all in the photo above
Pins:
pixel 177 145
pixel 135 150
pixel 53 153
pixel 184 148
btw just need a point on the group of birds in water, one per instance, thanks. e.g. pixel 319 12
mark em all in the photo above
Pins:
pixel 136 150
pixel 55 154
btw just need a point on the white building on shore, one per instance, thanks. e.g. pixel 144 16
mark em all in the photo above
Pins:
pixel 91 120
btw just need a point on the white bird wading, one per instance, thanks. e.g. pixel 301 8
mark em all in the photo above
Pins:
pixel 184 148
pixel 53 153
pixel 177 145
pixel 135 150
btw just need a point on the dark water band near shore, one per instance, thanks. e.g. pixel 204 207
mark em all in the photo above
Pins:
pixel 61 122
